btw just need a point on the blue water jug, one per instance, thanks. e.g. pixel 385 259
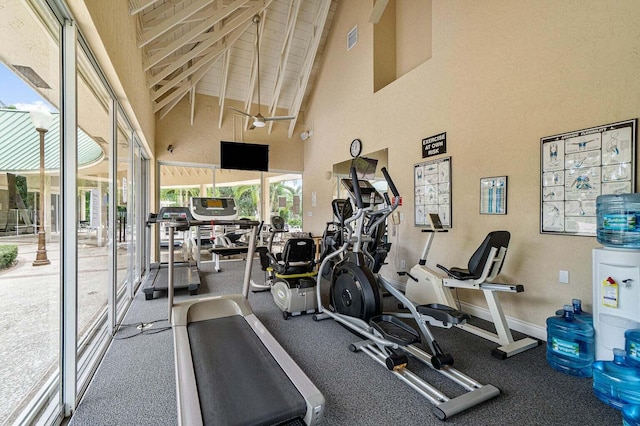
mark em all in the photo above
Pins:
pixel 570 344
pixel 632 347
pixel 579 313
pixel 631 415
pixel 618 220
pixel 615 382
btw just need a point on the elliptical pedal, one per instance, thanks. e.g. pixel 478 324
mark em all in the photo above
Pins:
pixel 393 329
pixel 443 313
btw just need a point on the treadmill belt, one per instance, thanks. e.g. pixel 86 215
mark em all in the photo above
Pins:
pixel 185 275
pixel 239 382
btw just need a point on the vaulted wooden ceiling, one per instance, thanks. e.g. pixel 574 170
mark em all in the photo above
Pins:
pixel 209 47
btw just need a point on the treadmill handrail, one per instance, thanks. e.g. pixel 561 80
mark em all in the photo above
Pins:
pixel 172 225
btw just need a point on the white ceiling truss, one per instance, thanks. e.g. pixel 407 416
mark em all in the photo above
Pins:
pixel 208 47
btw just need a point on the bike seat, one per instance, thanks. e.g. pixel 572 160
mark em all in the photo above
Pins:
pixel 458 273
pixel 494 240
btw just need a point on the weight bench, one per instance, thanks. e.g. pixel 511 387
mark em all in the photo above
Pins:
pixel 217 251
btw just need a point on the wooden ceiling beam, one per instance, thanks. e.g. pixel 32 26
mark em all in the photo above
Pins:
pixel 377 11
pixel 163 113
pixel 223 84
pixel 284 58
pixel 241 21
pixel 201 65
pixel 159 12
pixel 181 79
pixel 137 6
pixel 171 22
pixel 321 19
pixel 189 37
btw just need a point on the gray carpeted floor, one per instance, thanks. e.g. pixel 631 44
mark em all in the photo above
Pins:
pixel 135 384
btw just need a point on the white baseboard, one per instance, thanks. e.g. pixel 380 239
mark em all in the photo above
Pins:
pixel 527 328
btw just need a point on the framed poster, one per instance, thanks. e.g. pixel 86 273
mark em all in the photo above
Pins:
pixel 578 166
pixel 493 195
pixel 432 189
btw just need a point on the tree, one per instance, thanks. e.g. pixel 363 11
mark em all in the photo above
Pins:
pixel 247 198
pixel 281 189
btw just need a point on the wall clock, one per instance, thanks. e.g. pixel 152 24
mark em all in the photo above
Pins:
pixel 356 147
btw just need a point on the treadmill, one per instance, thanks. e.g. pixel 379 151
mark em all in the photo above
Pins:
pixel 186 273
pixel 213 210
pixel 229 369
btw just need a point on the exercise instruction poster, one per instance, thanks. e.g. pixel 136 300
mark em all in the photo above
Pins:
pixel 577 167
pixel 432 186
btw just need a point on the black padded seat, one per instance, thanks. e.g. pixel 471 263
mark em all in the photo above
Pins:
pixel 495 239
pixel 298 257
pixel 228 251
pixel 239 382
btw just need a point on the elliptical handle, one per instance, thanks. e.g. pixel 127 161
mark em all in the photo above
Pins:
pixel 392 186
pixel 356 188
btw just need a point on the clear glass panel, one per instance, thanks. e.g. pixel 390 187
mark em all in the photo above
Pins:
pixel 93 175
pixel 245 187
pixel 29 209
pixel 177 185
pixel 140 192
pixel 132 216
pixel 285 199
pixel 124 206
pixel 145 204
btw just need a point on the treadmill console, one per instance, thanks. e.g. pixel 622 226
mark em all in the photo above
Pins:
pixel 211 208
pixel 173 214
pixel 370 196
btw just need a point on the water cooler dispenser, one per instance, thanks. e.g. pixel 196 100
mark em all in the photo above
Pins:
pixel 616 272
pixel 616 297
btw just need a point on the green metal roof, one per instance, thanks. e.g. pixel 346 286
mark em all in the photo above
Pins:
pixel 20 144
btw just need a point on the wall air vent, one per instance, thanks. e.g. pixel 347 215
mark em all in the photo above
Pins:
pixel 352 37
pixel 32 76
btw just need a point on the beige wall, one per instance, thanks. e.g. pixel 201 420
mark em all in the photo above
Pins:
pixel 503 74
pixel 200 143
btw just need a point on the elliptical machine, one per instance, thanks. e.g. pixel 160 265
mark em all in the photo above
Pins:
pixel 356 302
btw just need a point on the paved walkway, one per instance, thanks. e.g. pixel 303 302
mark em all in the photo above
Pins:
pixel 30 319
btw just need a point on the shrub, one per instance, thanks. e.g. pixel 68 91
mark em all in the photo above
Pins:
pixel 8 254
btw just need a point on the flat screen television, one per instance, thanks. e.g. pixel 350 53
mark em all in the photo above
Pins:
pixel 244 156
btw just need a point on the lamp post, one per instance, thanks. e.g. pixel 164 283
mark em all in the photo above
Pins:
pixel 41 119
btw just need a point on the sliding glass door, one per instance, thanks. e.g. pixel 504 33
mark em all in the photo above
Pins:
pixel 30 180
pixel 94 152
pixel 71 203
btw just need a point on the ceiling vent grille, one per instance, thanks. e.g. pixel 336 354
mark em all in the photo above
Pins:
pixel 352 38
